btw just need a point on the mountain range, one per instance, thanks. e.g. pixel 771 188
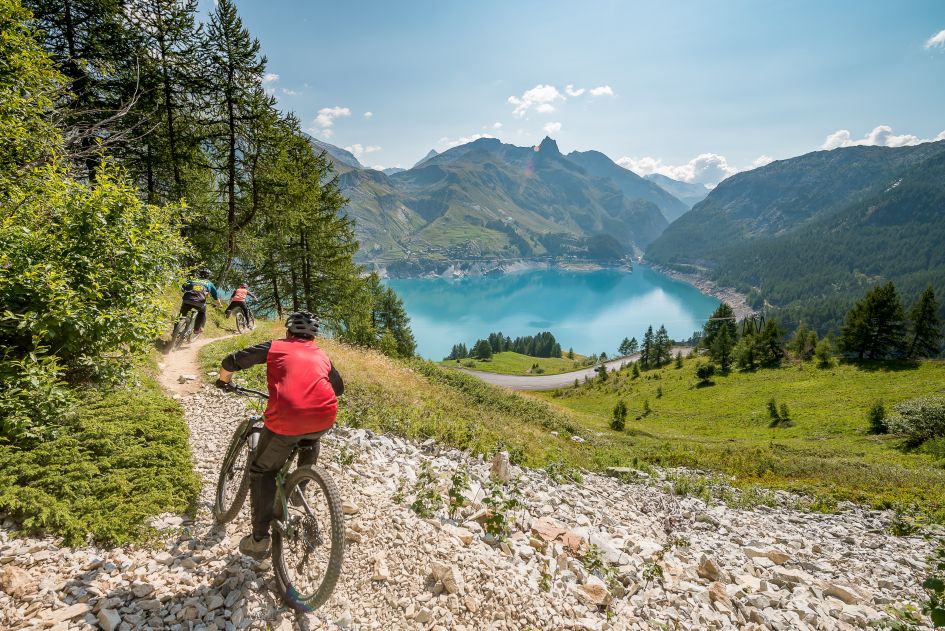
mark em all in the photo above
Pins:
pixel 486 202
pixel 807 236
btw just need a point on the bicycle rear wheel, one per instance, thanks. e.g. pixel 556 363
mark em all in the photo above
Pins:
pixel 177 337
pixel 240 323
pixel 233 482
pixel 308 551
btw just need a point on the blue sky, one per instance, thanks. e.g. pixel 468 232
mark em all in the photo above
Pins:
pixel 693 89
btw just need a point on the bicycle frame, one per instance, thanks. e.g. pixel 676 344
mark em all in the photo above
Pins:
pixel 281 500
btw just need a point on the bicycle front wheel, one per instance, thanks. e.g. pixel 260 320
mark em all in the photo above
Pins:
pixel 233 482
pixel 308 550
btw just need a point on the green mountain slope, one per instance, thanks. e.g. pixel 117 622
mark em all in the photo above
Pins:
pixel 486 201
pixel 631 184
pixel 810 234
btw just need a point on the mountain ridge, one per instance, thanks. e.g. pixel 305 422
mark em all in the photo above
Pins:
pixel 487 202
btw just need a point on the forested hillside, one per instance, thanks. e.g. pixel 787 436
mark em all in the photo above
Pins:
pixel 807 236
pixel 139 144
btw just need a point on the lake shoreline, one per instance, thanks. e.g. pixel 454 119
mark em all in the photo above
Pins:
pixel 496 268
pixel 730 296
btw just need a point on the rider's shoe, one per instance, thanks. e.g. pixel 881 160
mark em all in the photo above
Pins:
pixel 251 547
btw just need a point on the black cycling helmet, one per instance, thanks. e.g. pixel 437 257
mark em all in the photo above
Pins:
pixel 203 272
pixel 244 286
pixel 302 324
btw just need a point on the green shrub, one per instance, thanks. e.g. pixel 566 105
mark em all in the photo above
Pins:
pixel 121 459
pixel 877 419
pixel 84 265
pixel 919 420
pixel 619 419
pixel 705 373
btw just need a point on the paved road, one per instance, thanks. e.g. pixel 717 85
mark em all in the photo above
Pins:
pixel 550 382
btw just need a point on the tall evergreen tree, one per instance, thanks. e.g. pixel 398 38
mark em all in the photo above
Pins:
pixel 722 318
pixel 722 346
pixel 769 344
pixel 647 356
pixel 168 148
pixel 235 101
pixel 874 326
pixel 925 331
pixel 662 346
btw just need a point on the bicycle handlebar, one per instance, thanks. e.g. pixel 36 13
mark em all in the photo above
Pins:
pixel 247 391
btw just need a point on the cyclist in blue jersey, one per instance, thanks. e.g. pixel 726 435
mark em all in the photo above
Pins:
pixel 195 297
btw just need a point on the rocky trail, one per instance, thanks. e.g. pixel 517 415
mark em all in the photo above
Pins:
pixel 601 554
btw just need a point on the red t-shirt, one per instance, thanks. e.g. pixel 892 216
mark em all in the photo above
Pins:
pixel 239 295
pixel 301 399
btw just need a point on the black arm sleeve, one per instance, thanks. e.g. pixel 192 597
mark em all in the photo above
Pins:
pixel 246 358
pixel 334 378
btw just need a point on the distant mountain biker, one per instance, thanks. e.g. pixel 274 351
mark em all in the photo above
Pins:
pixel 238 301
pixel 195 298
pixel 303 402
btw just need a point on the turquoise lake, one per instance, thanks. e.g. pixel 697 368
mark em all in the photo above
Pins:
pixel 588 311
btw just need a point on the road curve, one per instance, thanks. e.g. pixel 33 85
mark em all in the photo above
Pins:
pixel 550 382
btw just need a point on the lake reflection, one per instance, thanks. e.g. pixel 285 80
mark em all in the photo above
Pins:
pixel 589 311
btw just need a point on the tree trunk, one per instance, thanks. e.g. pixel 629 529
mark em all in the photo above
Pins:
pixel 168 105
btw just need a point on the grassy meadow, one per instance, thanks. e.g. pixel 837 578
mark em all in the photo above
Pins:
pixel 827 454
pixel 726 427
pixel 509 363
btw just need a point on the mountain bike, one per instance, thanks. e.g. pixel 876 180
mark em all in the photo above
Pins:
pixel 308 529
pixel 183 329
pixel 244 323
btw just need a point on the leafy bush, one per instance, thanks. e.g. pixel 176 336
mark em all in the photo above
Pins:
pixel 501 502
pixel 705 372
pixel 919 420
pixel 459 484
pixel 83 268
pixel 427 500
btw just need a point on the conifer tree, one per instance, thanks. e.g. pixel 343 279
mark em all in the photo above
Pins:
pixel 925 332
pixel 874 327
pixel 647 356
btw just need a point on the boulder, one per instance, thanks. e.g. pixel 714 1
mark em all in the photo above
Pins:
pixel 501 469
pixel 16 582
pixel 594 591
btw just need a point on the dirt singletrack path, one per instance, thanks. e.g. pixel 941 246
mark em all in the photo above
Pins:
pixel 177 367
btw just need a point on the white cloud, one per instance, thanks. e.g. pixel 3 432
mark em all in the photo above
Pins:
pixel 326 119
pixel 290 92
pixel 937 40
pixel 540 97
pixel 571 91
pixel 706 168
pixel 368 114
pixel 761 161
pixel 881 136
pixel 270 77
pixel 359 150
pixel 497 125
pixel 604 90
pixel 545 108
pixel 448 143
pixel 552 128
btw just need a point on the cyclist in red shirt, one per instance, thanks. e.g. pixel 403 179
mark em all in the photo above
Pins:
pixel 303 402
pixel 238 300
